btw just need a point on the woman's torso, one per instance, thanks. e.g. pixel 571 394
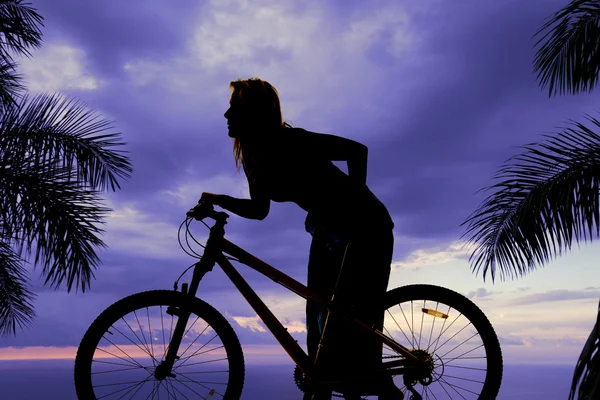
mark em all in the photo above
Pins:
pixel 291 171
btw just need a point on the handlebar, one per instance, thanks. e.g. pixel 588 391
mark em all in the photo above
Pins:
pixel 204 209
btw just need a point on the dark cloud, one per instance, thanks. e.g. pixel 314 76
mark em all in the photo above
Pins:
pixel 472 99
pixel 112 31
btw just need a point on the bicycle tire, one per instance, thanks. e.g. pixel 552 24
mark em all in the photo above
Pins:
pixel 467 308
pixel 91 339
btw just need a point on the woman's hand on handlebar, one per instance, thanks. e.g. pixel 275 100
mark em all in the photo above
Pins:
pixel 210 198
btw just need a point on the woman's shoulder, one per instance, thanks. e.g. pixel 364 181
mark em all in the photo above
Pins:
pixel 300 135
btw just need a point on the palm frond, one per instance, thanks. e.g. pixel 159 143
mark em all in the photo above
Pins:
pixel 19 28
pixel 42 204
pixel 568 60
pixel 586 377
pixel 65 132
pixel 547 197
pixel 16 308
pixel 11 86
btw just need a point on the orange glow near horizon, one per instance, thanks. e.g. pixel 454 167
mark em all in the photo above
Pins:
pixel 66 353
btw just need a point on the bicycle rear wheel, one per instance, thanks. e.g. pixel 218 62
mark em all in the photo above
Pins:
pixel 119 353
pixel 452 333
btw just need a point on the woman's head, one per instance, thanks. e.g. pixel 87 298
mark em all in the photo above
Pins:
pixel 254 112
pixel 254 108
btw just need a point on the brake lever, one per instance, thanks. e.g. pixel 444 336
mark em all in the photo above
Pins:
pixel 200 211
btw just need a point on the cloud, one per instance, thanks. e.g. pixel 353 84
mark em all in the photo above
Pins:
pixel 480 293
pixel 187 194
pixel 432 256
pixel 252 323
pixel 557 295
pixel 510 341
pixel 307 52
pixel 57 67
pixel 132 231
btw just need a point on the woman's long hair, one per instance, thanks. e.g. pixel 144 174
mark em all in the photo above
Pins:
pixel 261 110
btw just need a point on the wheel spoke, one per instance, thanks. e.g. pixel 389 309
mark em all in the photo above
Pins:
pixel 196 353
pixel 121 358
pixel 197 337
pixel 120 390
pixel 421 330
pixel 441 333
pixel 186 359
pixel 454 386
pixel 183 383
pixel 162 325
pixel 141 330
pixel 144 349
pixel 398 325
pixel 445 330
pixel 458 345
pixel 457 357
pixel 116 370
pixel 180 392
pixel 432 325
pixel 150 336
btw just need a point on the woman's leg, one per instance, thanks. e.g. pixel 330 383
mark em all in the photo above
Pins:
pixel 363 283
pixel 322 272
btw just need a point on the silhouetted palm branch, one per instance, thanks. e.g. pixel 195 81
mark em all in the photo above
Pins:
pixel 55 158
pixel 43 206
pixel 569 58
pixel 588 367
pixel 19 28
pixel 10 86
pixel 64 132
pixel 15 296
pixel 548 196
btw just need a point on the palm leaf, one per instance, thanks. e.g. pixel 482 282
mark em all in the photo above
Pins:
pixel 55 158
pixel 10 86
pixel 587 370
pixel 16 309
pixel 568 57
pixel 19 28
pixel 42 205
pixel 66 133
pixel 546 198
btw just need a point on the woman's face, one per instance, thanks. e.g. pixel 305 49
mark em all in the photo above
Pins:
pixel 234 118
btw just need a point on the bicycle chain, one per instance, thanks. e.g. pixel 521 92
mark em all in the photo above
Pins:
pixel 300 379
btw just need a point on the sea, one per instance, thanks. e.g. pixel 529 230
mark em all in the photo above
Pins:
pixel 53 380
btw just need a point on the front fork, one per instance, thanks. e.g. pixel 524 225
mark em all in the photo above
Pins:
pixel 165 368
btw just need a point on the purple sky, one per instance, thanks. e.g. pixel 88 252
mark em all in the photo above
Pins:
pixel 441 93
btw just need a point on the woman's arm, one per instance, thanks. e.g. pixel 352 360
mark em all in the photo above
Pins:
pixel 257 207
pixel 336 148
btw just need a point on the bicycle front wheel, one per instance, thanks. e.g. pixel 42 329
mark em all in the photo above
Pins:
pixel 120 351
pixel 454 338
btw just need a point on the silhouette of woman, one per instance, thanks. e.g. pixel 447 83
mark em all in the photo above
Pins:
pixel 283 163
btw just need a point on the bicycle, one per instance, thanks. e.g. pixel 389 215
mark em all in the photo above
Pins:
pixel 169 371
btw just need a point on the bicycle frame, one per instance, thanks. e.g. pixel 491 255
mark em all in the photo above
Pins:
pixel 216 248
